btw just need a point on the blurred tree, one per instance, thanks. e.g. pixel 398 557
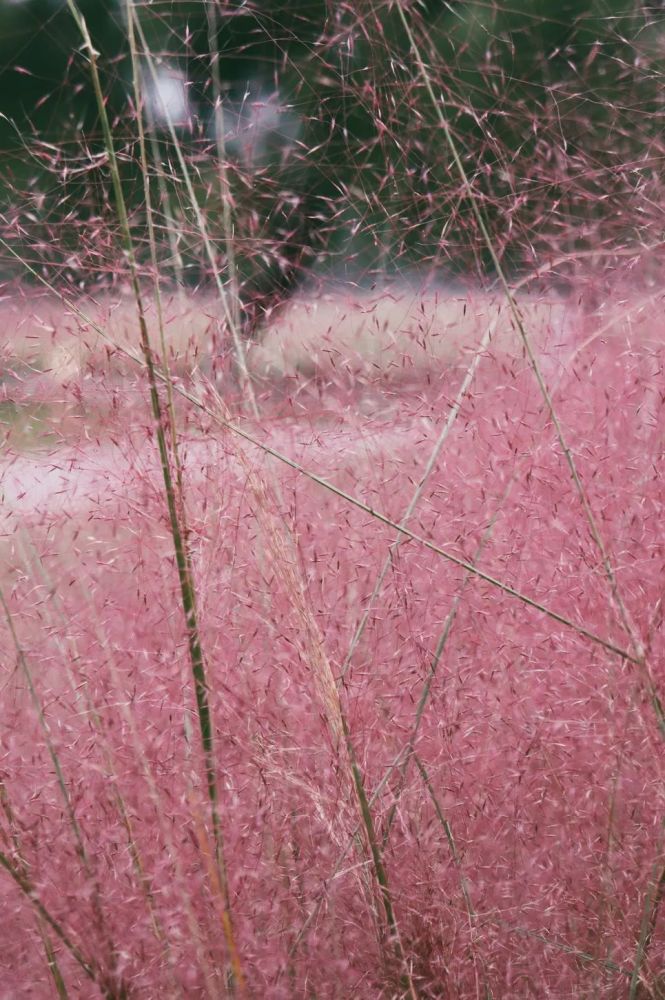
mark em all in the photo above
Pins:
pixel 334 152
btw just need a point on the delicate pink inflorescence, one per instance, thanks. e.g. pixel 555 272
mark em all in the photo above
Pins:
pixel 436 755
pixel 521 841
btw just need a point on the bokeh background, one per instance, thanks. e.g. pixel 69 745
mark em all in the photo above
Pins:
pixel 333 155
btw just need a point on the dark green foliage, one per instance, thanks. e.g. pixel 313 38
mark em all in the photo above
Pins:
pixel 552 106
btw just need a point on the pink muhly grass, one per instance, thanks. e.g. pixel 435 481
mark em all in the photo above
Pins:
pixel 537 754
pixel 339 674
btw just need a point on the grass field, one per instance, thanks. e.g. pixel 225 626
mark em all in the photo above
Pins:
pixel 331 608
pixel 492 677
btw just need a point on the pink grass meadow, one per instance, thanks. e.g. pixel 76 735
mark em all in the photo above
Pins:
pixel 512 760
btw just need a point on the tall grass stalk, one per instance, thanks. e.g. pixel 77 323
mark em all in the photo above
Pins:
pixel 88 965
pixel 20 873
pixel 418 492
pixel 145 174
pixel 410 747
pixel 79 687
pixel 219 890
pixel 158 801
pixel 637 645
pixel 170 224
pixel 638 656
pixel 228 307
pixel 22 868
pixel 280 546
pixel 81 850
pixel 339 861
pixel 183 561
pixel 583 957
pixel 408 753
pixel 222 170
pixel 653 898
pixel 464 885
